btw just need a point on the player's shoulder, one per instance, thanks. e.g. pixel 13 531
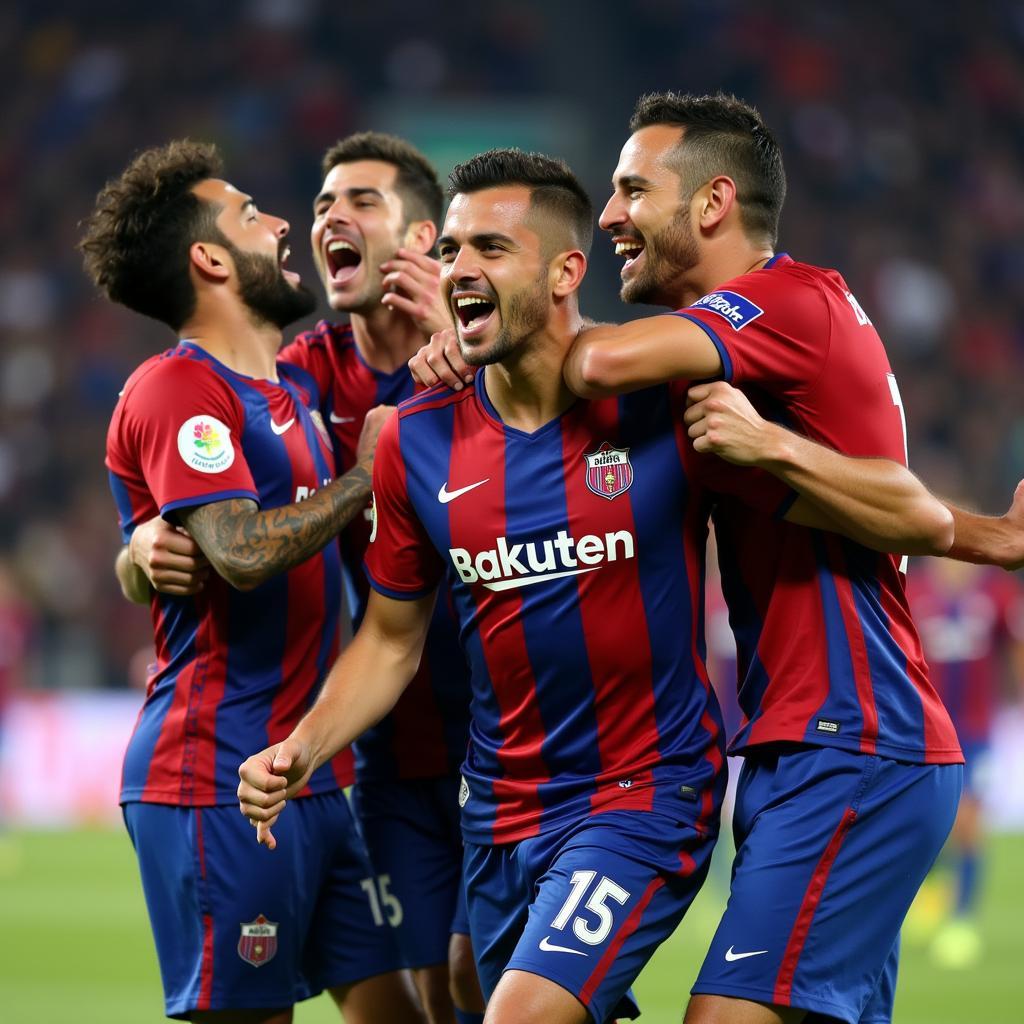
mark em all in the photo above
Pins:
pixel 181 366
pixel 326 337
pixel 433 399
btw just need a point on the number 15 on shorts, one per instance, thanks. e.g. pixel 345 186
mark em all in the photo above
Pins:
pixel 382 900
pixel 597 904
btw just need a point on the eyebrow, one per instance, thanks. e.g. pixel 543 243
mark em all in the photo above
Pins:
pixel 352 193
pixel 628 181
pixel 248 204
pixel 479 241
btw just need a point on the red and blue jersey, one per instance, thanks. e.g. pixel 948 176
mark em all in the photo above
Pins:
pixel 968 616
pixel 575 559
pixel 234 671
pixel 828 652
pixel 425 736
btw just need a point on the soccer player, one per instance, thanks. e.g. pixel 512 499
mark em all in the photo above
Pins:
pixel 852 767
pixel 216 437
pixel 572 535
pixel 972 626
pixel 373 231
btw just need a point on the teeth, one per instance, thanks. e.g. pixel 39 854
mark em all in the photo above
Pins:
pixel 621 248
pixel 340 246
pixel 287 252
pixel 470 301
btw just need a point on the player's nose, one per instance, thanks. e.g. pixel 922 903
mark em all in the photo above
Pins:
pixel 278 225
pixel 464 267
pixel 614 212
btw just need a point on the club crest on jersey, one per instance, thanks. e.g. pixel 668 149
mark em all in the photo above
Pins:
pixel 204 443
pixel 609 472
pixel 730 306
pixel 258 943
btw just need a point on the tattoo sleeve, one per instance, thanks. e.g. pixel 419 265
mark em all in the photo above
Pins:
pixel 248 546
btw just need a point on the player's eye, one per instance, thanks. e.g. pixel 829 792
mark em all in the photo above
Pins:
pixel 446 253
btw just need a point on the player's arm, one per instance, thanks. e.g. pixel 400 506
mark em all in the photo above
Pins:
pixel 134 582
pixel 876 502
pixel 608 360
pixel 990 540
pixel 160 557
pixel 247 546
pixel 360 690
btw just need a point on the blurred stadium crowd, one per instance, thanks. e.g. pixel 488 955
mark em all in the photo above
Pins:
pixel 902 128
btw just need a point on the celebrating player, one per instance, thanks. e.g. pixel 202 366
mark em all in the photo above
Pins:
pixel 214 436
pixel 852 767
pixel 572 535
pixel 374 227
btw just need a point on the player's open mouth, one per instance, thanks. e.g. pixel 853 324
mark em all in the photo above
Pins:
pixel 473 311
pixel 343 260
pixel 630 248
pixel 290 276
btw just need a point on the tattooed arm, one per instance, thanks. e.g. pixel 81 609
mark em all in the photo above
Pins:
pixel 247 546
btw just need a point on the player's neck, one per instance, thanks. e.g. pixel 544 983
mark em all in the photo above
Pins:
pixel 386 339
pixel 718 264
pixel 234 337
pixel 527 389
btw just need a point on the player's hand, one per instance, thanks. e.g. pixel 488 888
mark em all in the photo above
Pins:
pixel 412 283
pixel 269 780
pixel 1013 520
pixel 440 362
pixel 721 420
pixel 366 448
pixel 172 561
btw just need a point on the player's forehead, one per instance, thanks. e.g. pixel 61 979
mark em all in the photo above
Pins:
pixel 501 210
pixel 645 152
pixel 361 176
pixel 215 190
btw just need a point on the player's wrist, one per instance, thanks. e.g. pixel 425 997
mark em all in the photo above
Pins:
pixel 775 448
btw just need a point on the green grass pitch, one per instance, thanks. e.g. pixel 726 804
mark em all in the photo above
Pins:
pixel 76 944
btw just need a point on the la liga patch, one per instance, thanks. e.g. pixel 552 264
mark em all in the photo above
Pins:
pixel 731 307
pixel 204 443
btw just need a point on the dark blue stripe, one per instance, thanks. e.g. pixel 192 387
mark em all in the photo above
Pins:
pixel 206 499
pixel 123 501
pixel 398 595
pixel 723 352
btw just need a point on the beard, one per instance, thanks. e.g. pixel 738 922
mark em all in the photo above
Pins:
pixel 527 314
pixel 266 293
pixel 667 254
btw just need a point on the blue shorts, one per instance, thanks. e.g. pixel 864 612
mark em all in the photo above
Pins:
pixel 831 848
pixel 415 841
pixel 585 906
pixel 238 926
pixel 977 768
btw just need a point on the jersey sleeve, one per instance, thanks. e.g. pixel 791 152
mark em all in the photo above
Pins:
pixel 183 425
pixel 401 562
pixel 770 328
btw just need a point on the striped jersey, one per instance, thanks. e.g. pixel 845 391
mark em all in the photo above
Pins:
pixel 968 622
pixel 425 736
pixel 234 671
pixel 828 653
pixel 575 558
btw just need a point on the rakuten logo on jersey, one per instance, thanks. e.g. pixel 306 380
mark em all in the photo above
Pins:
pixel 507 566
pixel 731 306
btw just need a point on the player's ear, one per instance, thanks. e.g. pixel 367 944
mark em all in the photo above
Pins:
pixel 420 236
pixel 210 260
pixel 713 201
pixel 569 269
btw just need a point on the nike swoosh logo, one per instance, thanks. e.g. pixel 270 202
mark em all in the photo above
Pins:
pixel 550 947
pixel 444 495
pixel 280 429
pixel 731 956
pixel 342 419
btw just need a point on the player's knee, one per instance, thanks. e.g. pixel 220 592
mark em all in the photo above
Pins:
pixel 463 983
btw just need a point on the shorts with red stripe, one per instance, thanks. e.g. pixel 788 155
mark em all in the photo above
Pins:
pixel 831 848
pixel 584 906
pixel 238 926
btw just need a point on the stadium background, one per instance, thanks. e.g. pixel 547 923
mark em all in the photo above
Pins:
pixel 902 126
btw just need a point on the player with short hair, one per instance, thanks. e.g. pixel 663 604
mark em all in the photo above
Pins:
pixel 572 536
pixel 215 436
pixel 373 232
pixel 852 768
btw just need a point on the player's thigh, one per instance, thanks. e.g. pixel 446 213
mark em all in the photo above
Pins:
pixel 350 936
pixel 610 895
pixel 832 847
pixel 727 1010
pixel 414 839
pixel 228 925
pixel 523 998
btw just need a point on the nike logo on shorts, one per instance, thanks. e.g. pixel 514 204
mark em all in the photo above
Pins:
pixel 731 956
pixel 550 947
pixel 444 495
